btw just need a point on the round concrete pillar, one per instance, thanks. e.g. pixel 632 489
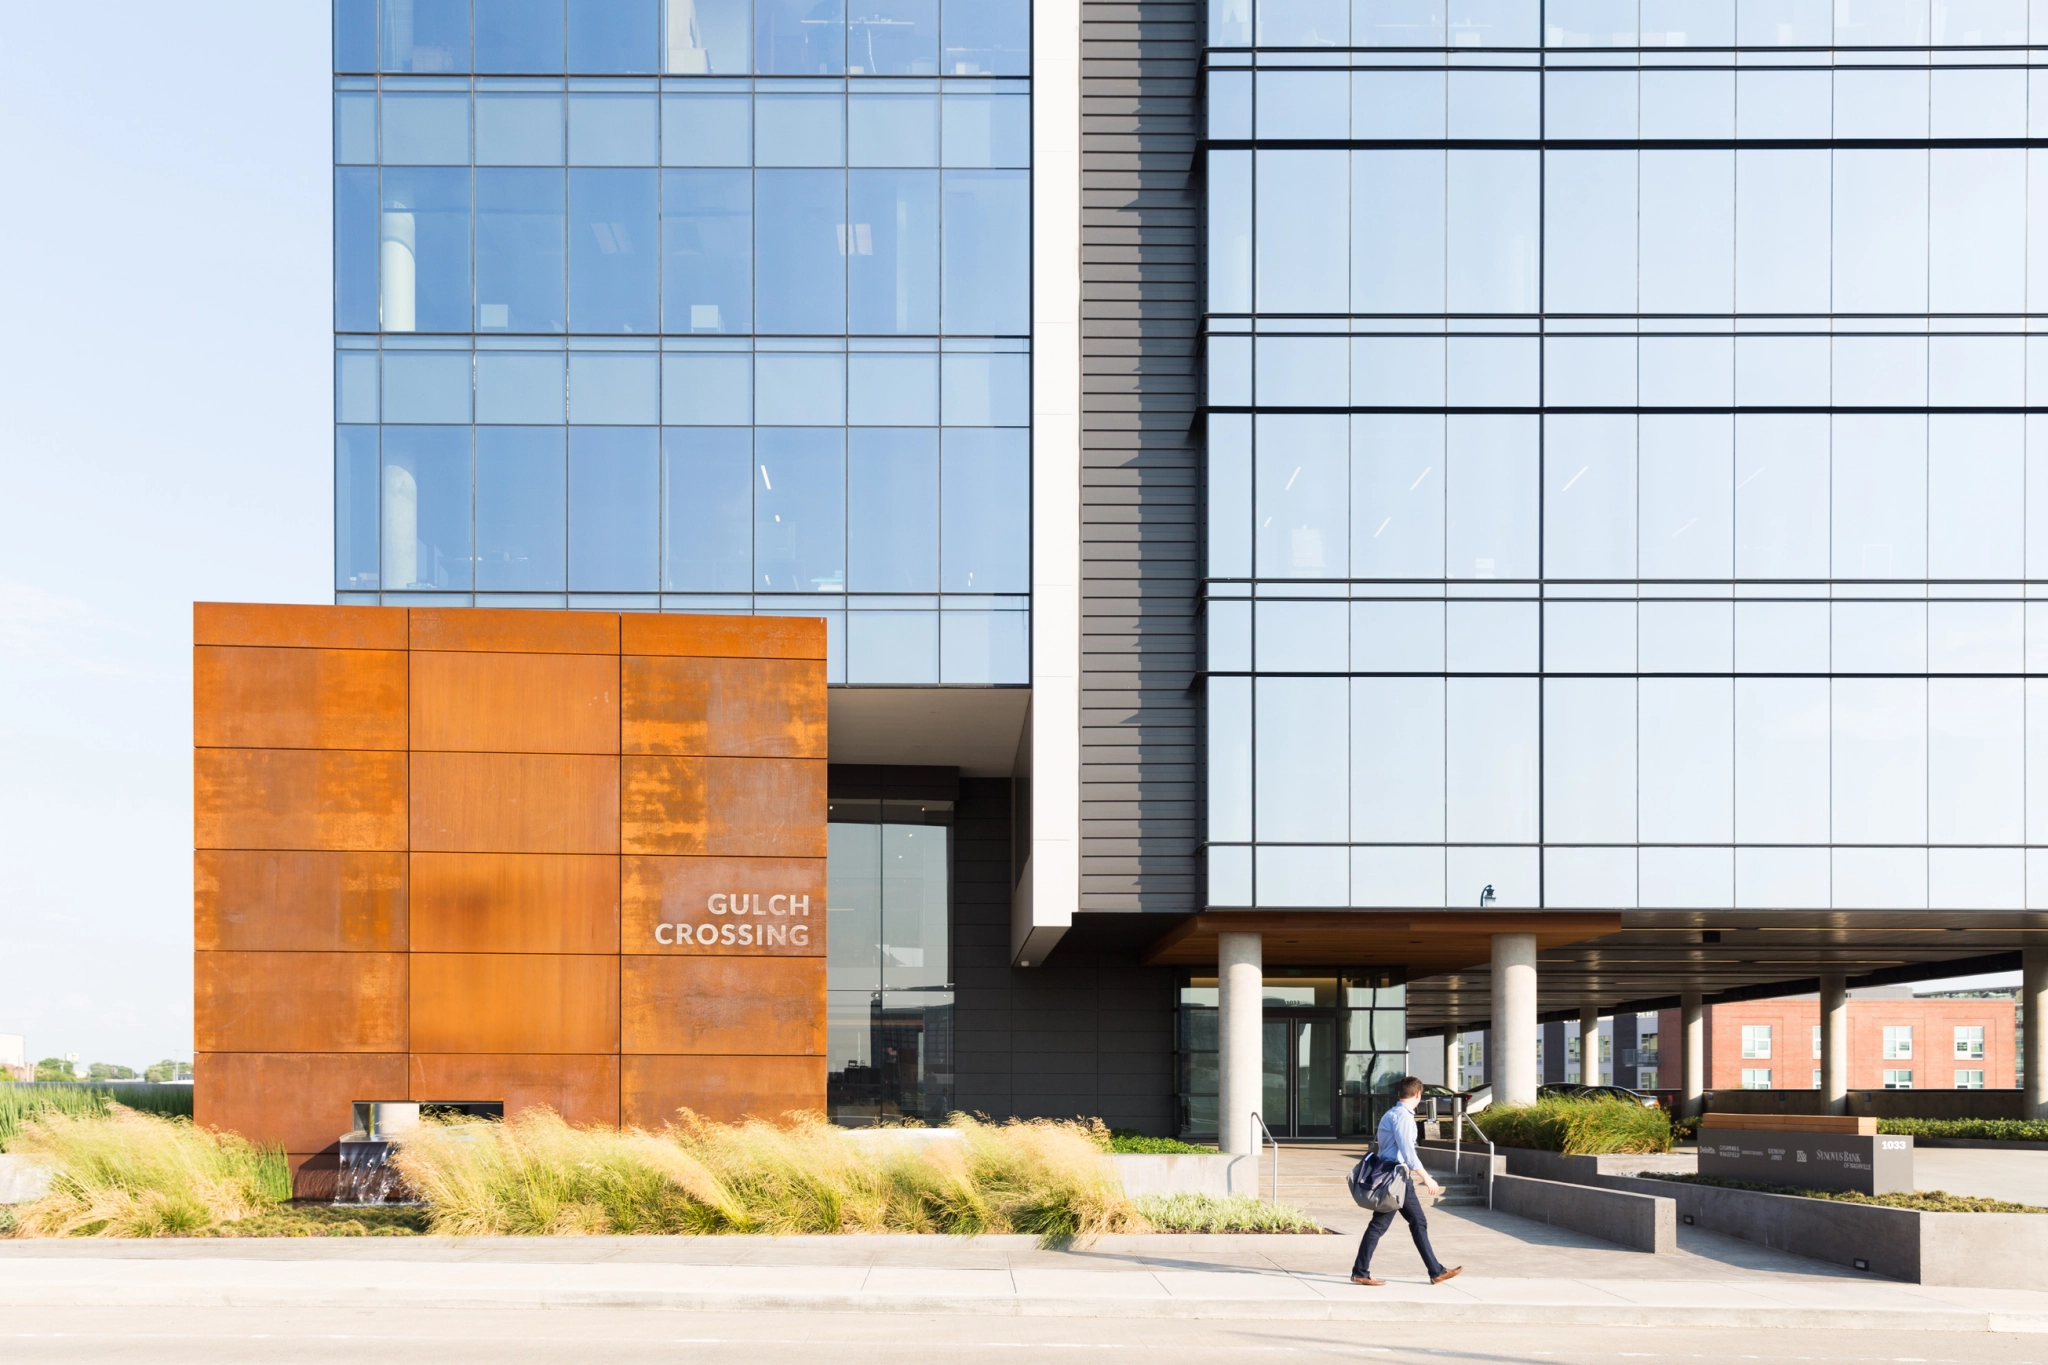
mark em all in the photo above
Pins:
pixel 2034 1033
pixel 1834 1043
pixel 1589 1042
pixel 1452 1080
pixel 1240 1039
pixel 1692 1037
pixel 1514 1018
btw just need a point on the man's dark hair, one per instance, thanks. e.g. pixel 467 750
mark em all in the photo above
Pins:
pixel 1407 1088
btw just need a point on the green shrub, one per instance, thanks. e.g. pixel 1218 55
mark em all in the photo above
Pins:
pixel 21 1103
pixel 1131 1142
pixel 1926 1201
pixel 136 1175
pixel 1221 1213
pixel 1578 1127
pixel 1997 1130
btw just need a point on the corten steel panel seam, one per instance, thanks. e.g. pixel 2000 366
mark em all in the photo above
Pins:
pixel 272 625
pixel 511 630
pixel 737 708
pixel 722 637
pixel 514 703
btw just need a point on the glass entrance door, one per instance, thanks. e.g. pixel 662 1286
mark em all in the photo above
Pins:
pixel 1300 1075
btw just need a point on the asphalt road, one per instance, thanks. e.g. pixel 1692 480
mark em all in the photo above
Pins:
pixel 630 1337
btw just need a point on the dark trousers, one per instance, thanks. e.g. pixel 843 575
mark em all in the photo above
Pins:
pixel 1418 1228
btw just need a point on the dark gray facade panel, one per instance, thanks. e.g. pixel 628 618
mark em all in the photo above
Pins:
pixel 1141 727
pixel 1089 1034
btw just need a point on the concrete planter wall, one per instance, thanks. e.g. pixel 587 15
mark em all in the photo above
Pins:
pixel 1643 1221
pixel 1981 1250
pixel 1186 1173
pixel 1883 1104
pixel 1557 1166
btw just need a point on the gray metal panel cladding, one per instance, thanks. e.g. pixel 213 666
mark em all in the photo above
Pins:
pixel 1141 722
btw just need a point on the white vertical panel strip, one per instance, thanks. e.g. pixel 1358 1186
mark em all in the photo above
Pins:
pixel 1051 888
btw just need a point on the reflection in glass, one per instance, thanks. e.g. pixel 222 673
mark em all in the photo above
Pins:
pixel 519 36
pixel 708 37
pixel 423 251
pixel 1303 500
pixel 356 232
pixel 987 253
pixel 426 513
pixel 355 508
pixel 985 478
pixel 425 35
pixel 985 37
pixel 893 38
pixel 519 251
pixel 800 509
pixel 706 130
pixel 613 251
pixel 615 37
pixel 708 251
pixel 892 510
pixel 799 37
pixel 518 129
pixel 801 242
pixel 613 130
pixel 892 249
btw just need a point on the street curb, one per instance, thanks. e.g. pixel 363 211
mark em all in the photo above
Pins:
pixel 1271 1310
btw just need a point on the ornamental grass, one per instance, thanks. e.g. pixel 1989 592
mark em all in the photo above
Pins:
pixel 1221 1213
pixel 128 1174
pixel 1578 1127
pixel 537 1175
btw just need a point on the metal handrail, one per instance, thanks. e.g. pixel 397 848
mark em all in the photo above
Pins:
pixel 1465 1118
pixel 1257 1146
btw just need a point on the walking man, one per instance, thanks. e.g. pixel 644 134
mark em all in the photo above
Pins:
pixel 1397 1144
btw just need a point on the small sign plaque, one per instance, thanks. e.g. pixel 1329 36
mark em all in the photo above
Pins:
pixel 1876 1164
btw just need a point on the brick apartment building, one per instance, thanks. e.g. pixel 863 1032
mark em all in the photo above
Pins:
pixel 1896 1042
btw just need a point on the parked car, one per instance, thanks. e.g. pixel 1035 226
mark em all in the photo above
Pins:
pixel 1447 1099
pixel 1573 1091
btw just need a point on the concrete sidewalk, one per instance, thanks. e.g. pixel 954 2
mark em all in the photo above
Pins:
pixel 1302 1278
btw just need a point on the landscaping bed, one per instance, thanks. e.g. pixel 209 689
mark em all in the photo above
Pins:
pixel 127 1174
pixel 1976 1130
pixel 1577 1127
pixel 1923 1201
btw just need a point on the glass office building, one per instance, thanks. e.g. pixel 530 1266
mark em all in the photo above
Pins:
pixel 1622 485
pixel 693 305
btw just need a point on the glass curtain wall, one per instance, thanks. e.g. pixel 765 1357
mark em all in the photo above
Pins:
pixel 889 964
pixel 1623 454
pixel 691 305
pixel 1334 1047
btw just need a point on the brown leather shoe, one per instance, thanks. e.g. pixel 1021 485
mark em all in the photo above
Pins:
pixel 1367 1279
pixel 1452 1273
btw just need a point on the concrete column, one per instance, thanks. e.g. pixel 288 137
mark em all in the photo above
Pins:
pixel 1589 1042
pixel 1451 1078
pixel 1240 1040
pixel 1834 1043
pixel 1692 1030
pixel 1514 1018
pixel 2034 1033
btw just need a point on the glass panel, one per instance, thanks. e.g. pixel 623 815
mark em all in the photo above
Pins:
pixel 1590 498
pixel 1302 211
pixel 987 253
pixel 355 35
pixel 892 647
pixel 355 250
pixel 799 130
pixel 708 251
pixel 800 242
pixel 426 35
pixel 355 128
pixel 519 251
pixel 892 130
pixel 799 37
pixel 613 251
pixel 615 36
pixel 892 390
pixel 426 129
pixel 709 494
pixel 800 510
pixel 853 942
pixel 1302 778
pixel 892 510
pixel 1303 498
pixel 355 509
pixel 614 130
pixel 893 38
pixel 1273 1073
pixel 706 130
pixel 985 37
pixel 426 508
pixel 519 36
pixel 1315 1076
pixel 892 247
pixel 518 130
pixel 985 479
pixel 1491 497
pixel 992 390
pixel 1397 232
pixel 521 516
pixel 708 37
pixel 987 130
pixel 520 387
pixel 914 906
pixel 423 251
pixel 614 509
pixel 1492 227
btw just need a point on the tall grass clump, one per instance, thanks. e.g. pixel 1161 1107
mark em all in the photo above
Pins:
pixel 136 1175
pixel 24 1104
pixel 535 1174
pixel 1578 1127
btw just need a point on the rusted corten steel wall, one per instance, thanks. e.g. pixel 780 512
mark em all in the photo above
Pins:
pixel 564 858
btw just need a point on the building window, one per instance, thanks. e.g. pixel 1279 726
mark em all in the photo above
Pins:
pixel 1898 1042
pixel 1816 1040
pixel 1756 1040
pixel 1897 1080
pixel 1646 1078
pixel 1969 1080
pixel 1646 1049
pixel 1816 1078
pixel 1969 1045
pixel 1756 1078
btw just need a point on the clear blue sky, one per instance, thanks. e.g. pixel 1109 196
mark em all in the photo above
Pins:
pixel 164 436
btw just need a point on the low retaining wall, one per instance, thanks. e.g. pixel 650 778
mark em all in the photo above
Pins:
pixel 1981 1144
pixel 1640 1221
pixel 1186 1173
pixel 1557 1166
pixel 1981 1250
pixel 1883 1104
